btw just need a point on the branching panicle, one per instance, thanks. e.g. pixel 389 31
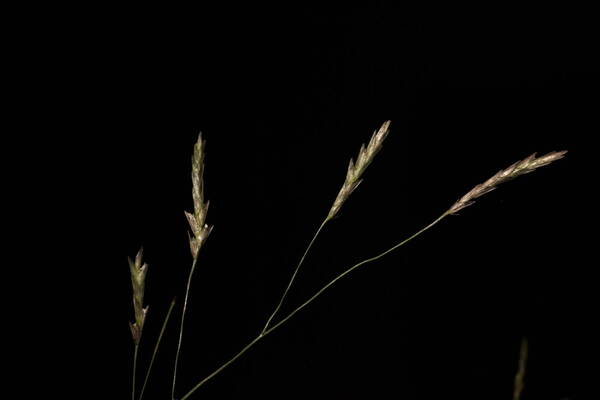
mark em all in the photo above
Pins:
pixel 519 168
pixel 356 169
pixel 138 280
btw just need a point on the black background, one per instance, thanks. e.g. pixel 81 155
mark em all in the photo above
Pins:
pixel 284 98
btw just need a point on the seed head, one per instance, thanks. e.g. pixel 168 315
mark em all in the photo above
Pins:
pixel 200 230
pixel 519 168
pixel 355 170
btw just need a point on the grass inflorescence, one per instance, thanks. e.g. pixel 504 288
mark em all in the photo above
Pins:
pixel 200 231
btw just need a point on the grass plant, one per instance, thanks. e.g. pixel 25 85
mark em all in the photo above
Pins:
pixel 200 231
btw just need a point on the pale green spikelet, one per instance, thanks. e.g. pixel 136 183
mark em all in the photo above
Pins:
pixel 197 219
pixel 356 169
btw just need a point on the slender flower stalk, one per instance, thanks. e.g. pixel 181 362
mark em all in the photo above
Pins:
pixel 138 271
pixel 291 282
pixel 522 167
pixel 310 300
pixel 353 179
pixel 200 232
pixel 162 331
pixel 135 353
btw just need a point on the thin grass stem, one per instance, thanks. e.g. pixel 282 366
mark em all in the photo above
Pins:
pixel 222 367
pixel 156 348
pixel 290 283
pixel 187 292
pixel 340 276
pixel 135 353
pixel 310 300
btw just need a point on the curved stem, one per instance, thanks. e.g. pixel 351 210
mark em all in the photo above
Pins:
pixel 287 289
pixel 135 352
pixel 187 292
pixel 324 288
pixel 156 348
pixel 368 260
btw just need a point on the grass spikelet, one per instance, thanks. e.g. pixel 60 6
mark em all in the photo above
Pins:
pixel 197 219
pixel 356 169
pixel 519 168
pixel 138 280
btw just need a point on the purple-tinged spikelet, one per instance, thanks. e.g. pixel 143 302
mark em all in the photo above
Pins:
pixel 138 281
pixel 519 168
